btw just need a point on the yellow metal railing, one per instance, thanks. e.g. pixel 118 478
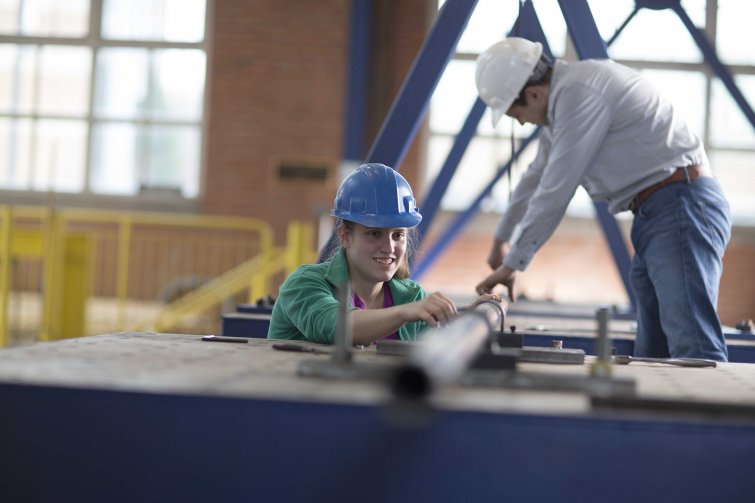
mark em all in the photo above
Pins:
pixel 5 260
pixel 252 274
pixel 76 261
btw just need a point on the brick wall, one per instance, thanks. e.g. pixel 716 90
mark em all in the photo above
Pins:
pixel 278 94
pixel 737 295
pixel 574 266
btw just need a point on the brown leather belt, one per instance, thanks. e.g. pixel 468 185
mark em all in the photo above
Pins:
pixel 690 173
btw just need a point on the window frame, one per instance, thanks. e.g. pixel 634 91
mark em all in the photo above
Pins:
pixel 145 200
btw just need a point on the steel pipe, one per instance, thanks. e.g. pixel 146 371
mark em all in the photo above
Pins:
pixel 444 353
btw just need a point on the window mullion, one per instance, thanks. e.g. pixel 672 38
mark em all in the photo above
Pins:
pixel 171 115
pixel 203 123
pixel 34 127
pixel 95 39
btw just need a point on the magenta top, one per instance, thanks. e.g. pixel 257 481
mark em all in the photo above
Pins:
pixel 387 302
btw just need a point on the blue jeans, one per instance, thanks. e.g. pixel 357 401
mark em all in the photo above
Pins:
pixel 679 236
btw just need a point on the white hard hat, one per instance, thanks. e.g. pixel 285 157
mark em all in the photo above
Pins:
pixel 502 71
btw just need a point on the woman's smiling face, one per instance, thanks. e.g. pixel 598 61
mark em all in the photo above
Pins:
pixel 374 254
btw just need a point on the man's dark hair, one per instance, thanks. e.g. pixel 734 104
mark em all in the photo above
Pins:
pixel 540 75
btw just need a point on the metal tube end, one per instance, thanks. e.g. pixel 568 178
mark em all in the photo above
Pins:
pixel 411 383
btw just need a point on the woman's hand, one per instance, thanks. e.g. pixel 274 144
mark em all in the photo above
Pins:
pixel 436 310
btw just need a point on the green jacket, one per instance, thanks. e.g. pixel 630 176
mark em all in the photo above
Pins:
pixel 307 305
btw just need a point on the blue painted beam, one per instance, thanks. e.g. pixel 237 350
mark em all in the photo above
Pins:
pixel 528 26
pixel 589 44
pixel 583 30
pixel 357 80
pixel 431 202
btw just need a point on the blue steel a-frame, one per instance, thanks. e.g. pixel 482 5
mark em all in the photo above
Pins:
pixel 403 120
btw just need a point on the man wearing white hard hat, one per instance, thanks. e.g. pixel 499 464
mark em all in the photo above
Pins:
pixel 609 130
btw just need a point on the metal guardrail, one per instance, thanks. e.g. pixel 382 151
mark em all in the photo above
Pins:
pixel 81 272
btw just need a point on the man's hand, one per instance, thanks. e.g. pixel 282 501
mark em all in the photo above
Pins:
pixel 497 253
pixel 504 275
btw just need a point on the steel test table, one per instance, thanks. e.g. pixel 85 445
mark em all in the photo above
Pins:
pixel 167 417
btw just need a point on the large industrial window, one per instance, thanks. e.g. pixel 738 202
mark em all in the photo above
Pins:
pixel 655 43
pixel 102 97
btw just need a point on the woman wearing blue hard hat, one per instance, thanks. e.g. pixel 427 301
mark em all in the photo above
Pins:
pixel 376 214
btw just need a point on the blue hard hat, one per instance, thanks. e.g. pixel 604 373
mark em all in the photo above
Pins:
pixel 376 196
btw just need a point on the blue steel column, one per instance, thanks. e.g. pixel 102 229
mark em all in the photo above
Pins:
pixel 589 44
pixel 359 58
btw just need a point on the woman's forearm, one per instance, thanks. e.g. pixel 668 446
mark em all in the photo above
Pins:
pixel 369 325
